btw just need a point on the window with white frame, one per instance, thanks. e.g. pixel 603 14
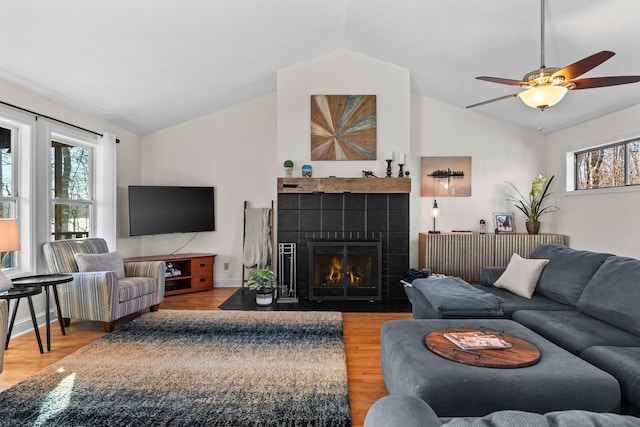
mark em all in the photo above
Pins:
pixel 71 188
pixel 8 188
pixel 610 166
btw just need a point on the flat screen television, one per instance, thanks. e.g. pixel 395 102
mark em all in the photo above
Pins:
pixel 170 209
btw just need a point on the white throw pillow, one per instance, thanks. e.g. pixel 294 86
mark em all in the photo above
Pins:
pixel 111 261
pixel 521 275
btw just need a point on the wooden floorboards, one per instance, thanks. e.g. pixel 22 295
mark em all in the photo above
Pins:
pixel 361 340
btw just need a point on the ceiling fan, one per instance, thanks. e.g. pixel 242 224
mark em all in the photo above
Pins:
pixel 546 87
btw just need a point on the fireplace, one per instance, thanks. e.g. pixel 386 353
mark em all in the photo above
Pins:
pixel 321 210
pixel 345 270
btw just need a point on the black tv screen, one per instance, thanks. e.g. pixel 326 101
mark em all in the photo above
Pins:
pixel 170 209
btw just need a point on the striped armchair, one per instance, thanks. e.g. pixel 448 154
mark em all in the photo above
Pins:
pixel 100 295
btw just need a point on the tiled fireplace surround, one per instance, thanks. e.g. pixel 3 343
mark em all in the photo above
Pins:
pixel 348 216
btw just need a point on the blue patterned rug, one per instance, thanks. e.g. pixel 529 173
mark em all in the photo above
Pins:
pixel 195 368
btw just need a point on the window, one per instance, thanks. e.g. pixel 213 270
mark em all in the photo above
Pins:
pixel 610 166
pixel 8 193
pixel 71 190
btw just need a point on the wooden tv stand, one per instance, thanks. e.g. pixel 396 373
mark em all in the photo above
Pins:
pixel 197 272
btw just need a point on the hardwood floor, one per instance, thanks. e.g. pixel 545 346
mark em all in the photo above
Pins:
pixel 361 340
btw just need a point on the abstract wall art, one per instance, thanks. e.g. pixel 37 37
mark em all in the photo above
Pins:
pixel 343 127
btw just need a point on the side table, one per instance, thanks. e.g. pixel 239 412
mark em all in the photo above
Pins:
pixel 17 294
pixel 47 281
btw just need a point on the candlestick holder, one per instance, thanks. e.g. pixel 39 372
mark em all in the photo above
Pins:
pixel 389 168
pixel 401 173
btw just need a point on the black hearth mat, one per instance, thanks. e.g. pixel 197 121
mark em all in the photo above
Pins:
pixel 247 301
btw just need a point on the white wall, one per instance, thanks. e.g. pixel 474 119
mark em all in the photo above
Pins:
pixel 605 221
pixel 240 150
pixel 342 72
pixel 233 150
pixel 499 152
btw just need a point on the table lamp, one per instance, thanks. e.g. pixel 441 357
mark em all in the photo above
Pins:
pixel 435 211
pixel 9 241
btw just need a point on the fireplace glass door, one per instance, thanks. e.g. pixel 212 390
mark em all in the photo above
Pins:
pixel 344 270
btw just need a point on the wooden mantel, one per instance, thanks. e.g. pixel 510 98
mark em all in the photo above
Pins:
pixel 344 185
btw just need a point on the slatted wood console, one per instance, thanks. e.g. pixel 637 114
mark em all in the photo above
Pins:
pixel 465 254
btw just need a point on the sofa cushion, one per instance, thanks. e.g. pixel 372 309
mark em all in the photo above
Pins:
pixel 622 363
pixel 135 287
pixel 571 418
pixel 568 272
pixel 521 275
pixel 111 261
pixel 574 331
pixel 512 302
pixel 452 296
pixel 613 293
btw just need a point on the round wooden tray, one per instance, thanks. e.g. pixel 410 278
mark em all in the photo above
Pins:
pixel 521 353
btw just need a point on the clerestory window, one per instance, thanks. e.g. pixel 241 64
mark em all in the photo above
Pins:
pixel 610 166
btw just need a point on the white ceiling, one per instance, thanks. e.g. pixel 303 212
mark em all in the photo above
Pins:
pixel 144 65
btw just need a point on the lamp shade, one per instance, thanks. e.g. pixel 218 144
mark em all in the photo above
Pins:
pixel 543 96
pixel 9 237
pixel 9 241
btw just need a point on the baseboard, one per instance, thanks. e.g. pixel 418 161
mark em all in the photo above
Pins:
pixel 227 283
pixel 25 325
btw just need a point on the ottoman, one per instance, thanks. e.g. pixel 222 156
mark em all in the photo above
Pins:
pixel 559 381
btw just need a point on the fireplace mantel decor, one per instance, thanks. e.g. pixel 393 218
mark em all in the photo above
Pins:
pixel 344 185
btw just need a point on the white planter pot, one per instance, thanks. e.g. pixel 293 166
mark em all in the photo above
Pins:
pixel 264 299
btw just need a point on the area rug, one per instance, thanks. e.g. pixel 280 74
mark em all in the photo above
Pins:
pixel 195 368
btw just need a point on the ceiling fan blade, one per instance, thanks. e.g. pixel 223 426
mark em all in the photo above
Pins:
pixel 604 82
pixel 577 69
pixel 513 95
pixel 509 82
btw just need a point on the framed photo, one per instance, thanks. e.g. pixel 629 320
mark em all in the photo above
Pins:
pixel 503 222
pixel 445 176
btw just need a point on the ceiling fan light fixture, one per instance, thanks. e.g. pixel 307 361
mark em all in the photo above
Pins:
pixel 542 97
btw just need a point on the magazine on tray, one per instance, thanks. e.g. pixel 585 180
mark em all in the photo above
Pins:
pixel 476 340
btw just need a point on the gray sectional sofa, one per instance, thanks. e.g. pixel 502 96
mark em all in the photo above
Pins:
pixel 585 302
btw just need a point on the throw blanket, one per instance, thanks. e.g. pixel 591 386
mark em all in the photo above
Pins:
pixel 257 238
pixel 453 296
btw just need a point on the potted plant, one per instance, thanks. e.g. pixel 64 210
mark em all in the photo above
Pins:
pixel 288 168
pixel 262 281
pixel 533 206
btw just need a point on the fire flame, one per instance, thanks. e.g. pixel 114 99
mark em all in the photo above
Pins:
pixel 336 274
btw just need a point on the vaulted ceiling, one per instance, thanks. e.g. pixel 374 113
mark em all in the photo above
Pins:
pixel 144 65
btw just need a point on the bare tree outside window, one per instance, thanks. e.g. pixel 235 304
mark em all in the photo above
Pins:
pixel 611 166
pixel 70 191
pixel 634 163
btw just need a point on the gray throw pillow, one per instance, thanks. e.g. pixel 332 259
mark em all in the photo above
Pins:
pixel 111 261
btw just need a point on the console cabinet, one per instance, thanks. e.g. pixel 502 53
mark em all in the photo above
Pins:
pixel 196 272
pixel 465 254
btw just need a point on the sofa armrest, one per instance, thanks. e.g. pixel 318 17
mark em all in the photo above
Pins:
pixel 90 296
pixel 153 269
pixel 489 275
pixel 401 410
pixel 4 319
